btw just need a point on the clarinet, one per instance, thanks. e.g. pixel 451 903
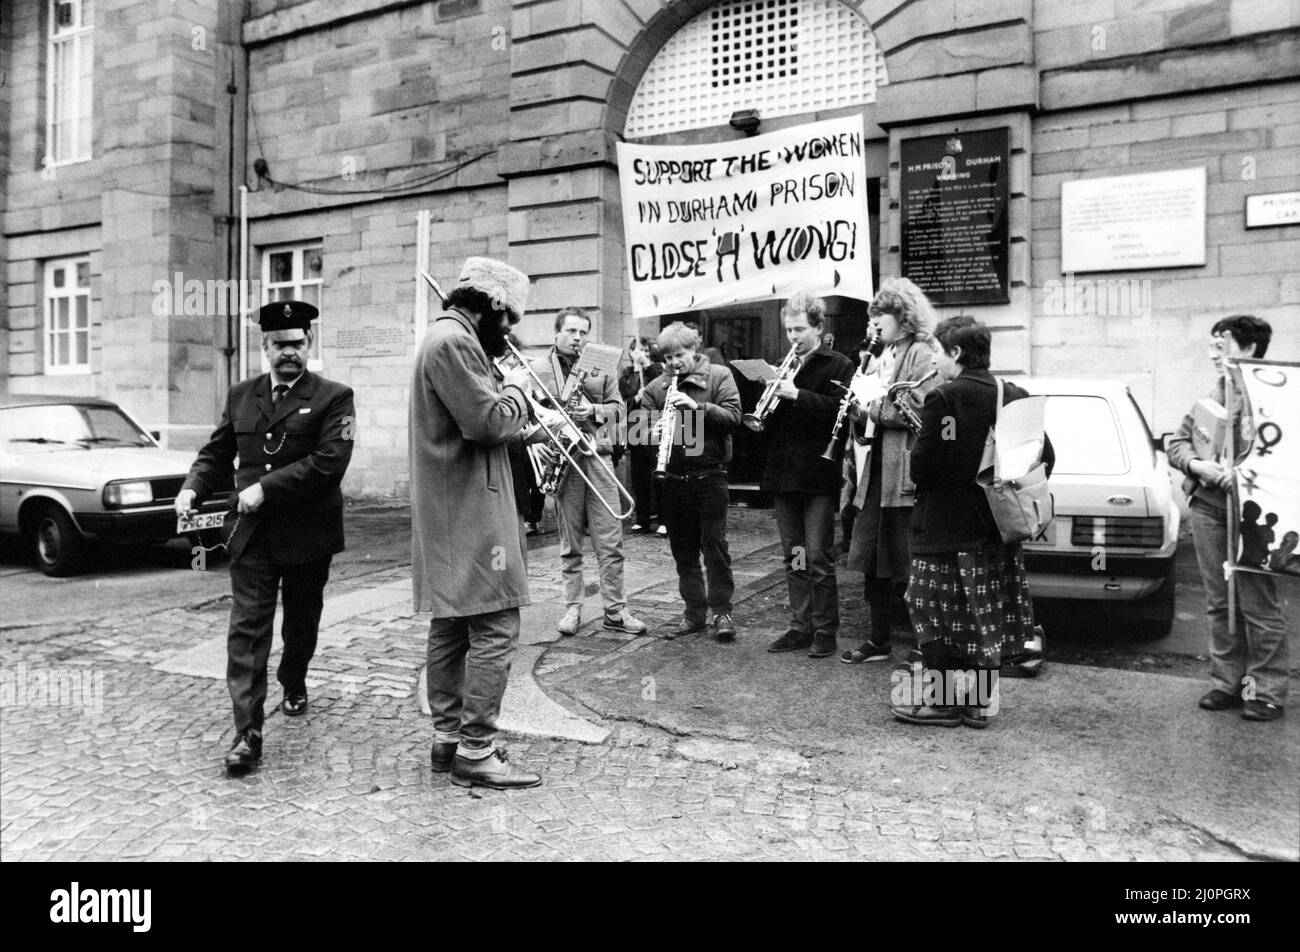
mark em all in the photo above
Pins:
pixel 868 352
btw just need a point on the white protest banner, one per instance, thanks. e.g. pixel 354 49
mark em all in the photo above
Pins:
pixel 1268 479
pixel 748 219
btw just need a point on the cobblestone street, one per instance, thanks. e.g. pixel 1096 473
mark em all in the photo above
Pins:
pixel 649 749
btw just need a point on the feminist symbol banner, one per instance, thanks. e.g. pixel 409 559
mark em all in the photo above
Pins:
pixel 747 219
pixel 1268 478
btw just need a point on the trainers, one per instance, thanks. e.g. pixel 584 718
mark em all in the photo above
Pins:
pixel 637 527
pixel 792 640
pixel 625 622
pixel 823 645
pixel 1217 700
pixel 723 629
pixel 1029 663
pixel 1262 711
pixel 687 626
pixel 571 621
pixel 928 714
pixel 494 771
pixel 662 530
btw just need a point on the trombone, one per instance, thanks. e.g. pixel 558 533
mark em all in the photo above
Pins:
pixel 569 436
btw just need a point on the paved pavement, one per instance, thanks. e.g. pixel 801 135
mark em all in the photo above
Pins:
pixel 649 749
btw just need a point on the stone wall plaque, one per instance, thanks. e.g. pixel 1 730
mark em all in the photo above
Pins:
pixel 1273 210
pixel 370 341
pixel 955 231
pixel 1131 222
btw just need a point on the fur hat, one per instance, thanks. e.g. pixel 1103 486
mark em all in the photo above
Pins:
pixel 506 286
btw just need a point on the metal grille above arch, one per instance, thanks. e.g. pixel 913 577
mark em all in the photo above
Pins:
pixel 781 57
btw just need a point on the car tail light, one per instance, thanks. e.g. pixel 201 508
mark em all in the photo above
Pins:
pixel 1127 531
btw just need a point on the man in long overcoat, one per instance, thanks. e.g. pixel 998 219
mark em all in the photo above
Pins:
pixel 467 544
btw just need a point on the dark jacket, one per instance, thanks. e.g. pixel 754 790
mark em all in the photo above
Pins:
pixel 951 512
pixel 714 389
pixel 797 431
pixel 299 453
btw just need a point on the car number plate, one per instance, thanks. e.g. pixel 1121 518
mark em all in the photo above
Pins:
pixel 1046 538
pixel 205 520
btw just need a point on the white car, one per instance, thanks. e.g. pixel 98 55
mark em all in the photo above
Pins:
pixel 1116 528
pixel 74 470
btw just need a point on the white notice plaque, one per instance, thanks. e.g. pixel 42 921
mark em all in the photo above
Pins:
pixel 1277 208
pixel 1130 222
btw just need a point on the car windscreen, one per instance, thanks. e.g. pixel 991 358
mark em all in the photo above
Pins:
pixel 64 426
pixel 1085 435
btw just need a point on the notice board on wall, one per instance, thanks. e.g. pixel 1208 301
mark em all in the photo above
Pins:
pixel 955 233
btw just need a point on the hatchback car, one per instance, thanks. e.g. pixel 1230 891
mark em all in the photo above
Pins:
pixel 1116 528
pixel 74 470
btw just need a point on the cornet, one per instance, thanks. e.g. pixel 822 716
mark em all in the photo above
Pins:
pixel 767 402
pixel 566 438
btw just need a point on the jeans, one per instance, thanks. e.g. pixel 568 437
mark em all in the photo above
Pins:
pixel 695 511
pixel 806 522
pixel 580 514
pixel 645 488
pixel 468 666
pixel 1259 650
pixel 254 584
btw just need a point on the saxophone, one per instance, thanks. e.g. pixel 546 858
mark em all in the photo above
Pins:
pixel 898 397
pixel 557 470
pixel 668 432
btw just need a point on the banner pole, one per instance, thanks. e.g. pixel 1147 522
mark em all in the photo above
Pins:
pixel 1230 452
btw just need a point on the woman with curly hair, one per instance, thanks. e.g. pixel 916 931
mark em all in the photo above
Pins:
pixel 884 493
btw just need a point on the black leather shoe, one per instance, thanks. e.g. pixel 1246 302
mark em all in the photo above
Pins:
pixel 928 714
pixel 494 771
pixel 792 640
pixel 294 703
pixel 441 756
pixel 1262 711
pixel 1217 700
pixel 245 752
pixel 723 628
pixel 972 715
pixel 686 626
pixel 823 645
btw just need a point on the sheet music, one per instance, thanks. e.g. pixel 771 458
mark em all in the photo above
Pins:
pixel 601 358
pixel 759 371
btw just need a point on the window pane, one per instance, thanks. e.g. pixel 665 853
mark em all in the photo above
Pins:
pixel 1084 435
pixel 311 258
pixel 83 311
pixel 281 267
pixel 61 314
pixel 87 12
pixel 83 347
pixel 58 276
pixel 60 350
pixel 311 295
pixel 83 274
pixel 282 294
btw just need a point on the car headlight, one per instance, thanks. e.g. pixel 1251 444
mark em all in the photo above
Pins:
pixel 136 493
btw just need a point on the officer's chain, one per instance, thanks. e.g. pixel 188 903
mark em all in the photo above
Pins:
pixel 219 545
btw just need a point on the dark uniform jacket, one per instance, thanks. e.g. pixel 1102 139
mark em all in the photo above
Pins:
pixel 797 431
pixel 952 513
pixel 299 453
pixel 714 389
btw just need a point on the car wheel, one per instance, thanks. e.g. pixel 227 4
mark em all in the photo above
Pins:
pixel 60 548
pixel 1153 617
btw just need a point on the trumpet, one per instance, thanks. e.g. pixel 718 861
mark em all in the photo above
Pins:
pixel 565 438
pixel 767 402
pixel 897 395
pixel 668 432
